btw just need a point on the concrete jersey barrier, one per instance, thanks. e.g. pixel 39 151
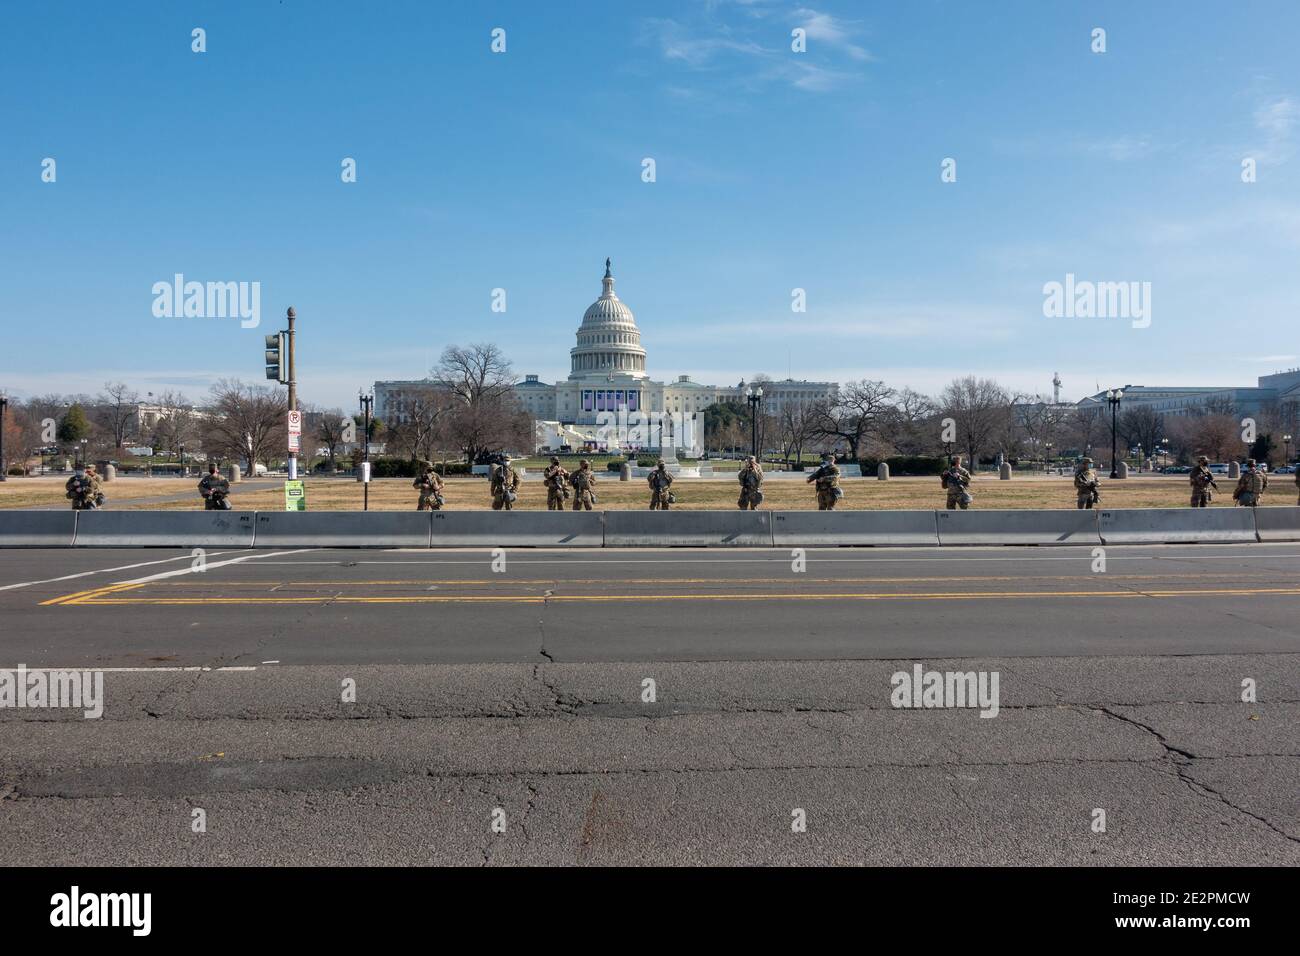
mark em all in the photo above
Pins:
pixel 1176 525
pixel 1055 527
pixel 727 528
pixel 518 529
pixel 1277 524
pixel 37 529
pixel 342 529
pixel 164 529
pixel 811 529
pixel 699 529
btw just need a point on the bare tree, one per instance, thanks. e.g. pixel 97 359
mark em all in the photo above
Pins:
pixel 331 426
pixel 860 411
pixel 487 416
pixel 796 427
pixel 115 412
pixel 1042 423
pixel 1216 436
pixel 1085 427
pixel 1142 425
pixel 17 436
pixel 177 424
pixel 478 373
pixel 980 408
pixel 912 427
pixel 248 422
pixel 421 427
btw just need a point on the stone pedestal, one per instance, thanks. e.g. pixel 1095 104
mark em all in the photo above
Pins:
pixel 1004 471
pixel 625 472
pixel 882 472
pixel 1121 471
pixel 234 475
pixel 1234 469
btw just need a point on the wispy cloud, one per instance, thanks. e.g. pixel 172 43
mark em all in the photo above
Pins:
pixel 756 51
pixel 1123 149
pixel 824 28
pixel 1277 120
pixel 688 45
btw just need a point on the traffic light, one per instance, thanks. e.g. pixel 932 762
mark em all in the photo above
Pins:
pixel 276 356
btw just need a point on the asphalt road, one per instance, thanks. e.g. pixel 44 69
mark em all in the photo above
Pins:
pixel 517 695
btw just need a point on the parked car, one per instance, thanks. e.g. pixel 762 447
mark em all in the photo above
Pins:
pixel 1285 470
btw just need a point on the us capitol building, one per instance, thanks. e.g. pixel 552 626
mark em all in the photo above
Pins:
pixel 608 374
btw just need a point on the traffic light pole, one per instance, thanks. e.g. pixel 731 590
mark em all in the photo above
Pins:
pixel 293 393
pixel 366 402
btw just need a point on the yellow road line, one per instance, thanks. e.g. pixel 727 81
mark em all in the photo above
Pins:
pixel 81 597
pixel 609 598
pixel 746 580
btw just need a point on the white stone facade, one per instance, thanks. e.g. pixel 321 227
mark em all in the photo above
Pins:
pixel 608 379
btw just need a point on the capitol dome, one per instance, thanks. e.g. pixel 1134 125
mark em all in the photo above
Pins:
pixel 609 343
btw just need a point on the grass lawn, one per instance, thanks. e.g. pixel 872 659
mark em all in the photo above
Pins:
pixel 471 494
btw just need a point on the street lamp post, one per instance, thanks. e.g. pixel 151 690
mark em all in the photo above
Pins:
pixel 1113 397
pixel 1286 449
pixel 1047 457
pixel 754 396
pixel 4 407
pixel 182 449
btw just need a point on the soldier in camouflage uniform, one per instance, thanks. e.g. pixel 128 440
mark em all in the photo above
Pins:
pixel 215 490
pixel 956 481
pixel 504 483
pixel 1202 481
pixel 1087 491
pixel 555 477
pixel 584 483
pixel 827 479
pixel 1251 485
pixel 429 483
pixel 96 485
pixel 660 482
pixel 80 491
pixel 751 484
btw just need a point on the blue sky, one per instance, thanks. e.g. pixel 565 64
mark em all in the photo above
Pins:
pixel 775 170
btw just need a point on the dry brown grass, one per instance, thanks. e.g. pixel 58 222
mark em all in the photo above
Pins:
pixel 470 494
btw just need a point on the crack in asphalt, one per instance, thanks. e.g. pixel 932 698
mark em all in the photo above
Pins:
pixel 1182 761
